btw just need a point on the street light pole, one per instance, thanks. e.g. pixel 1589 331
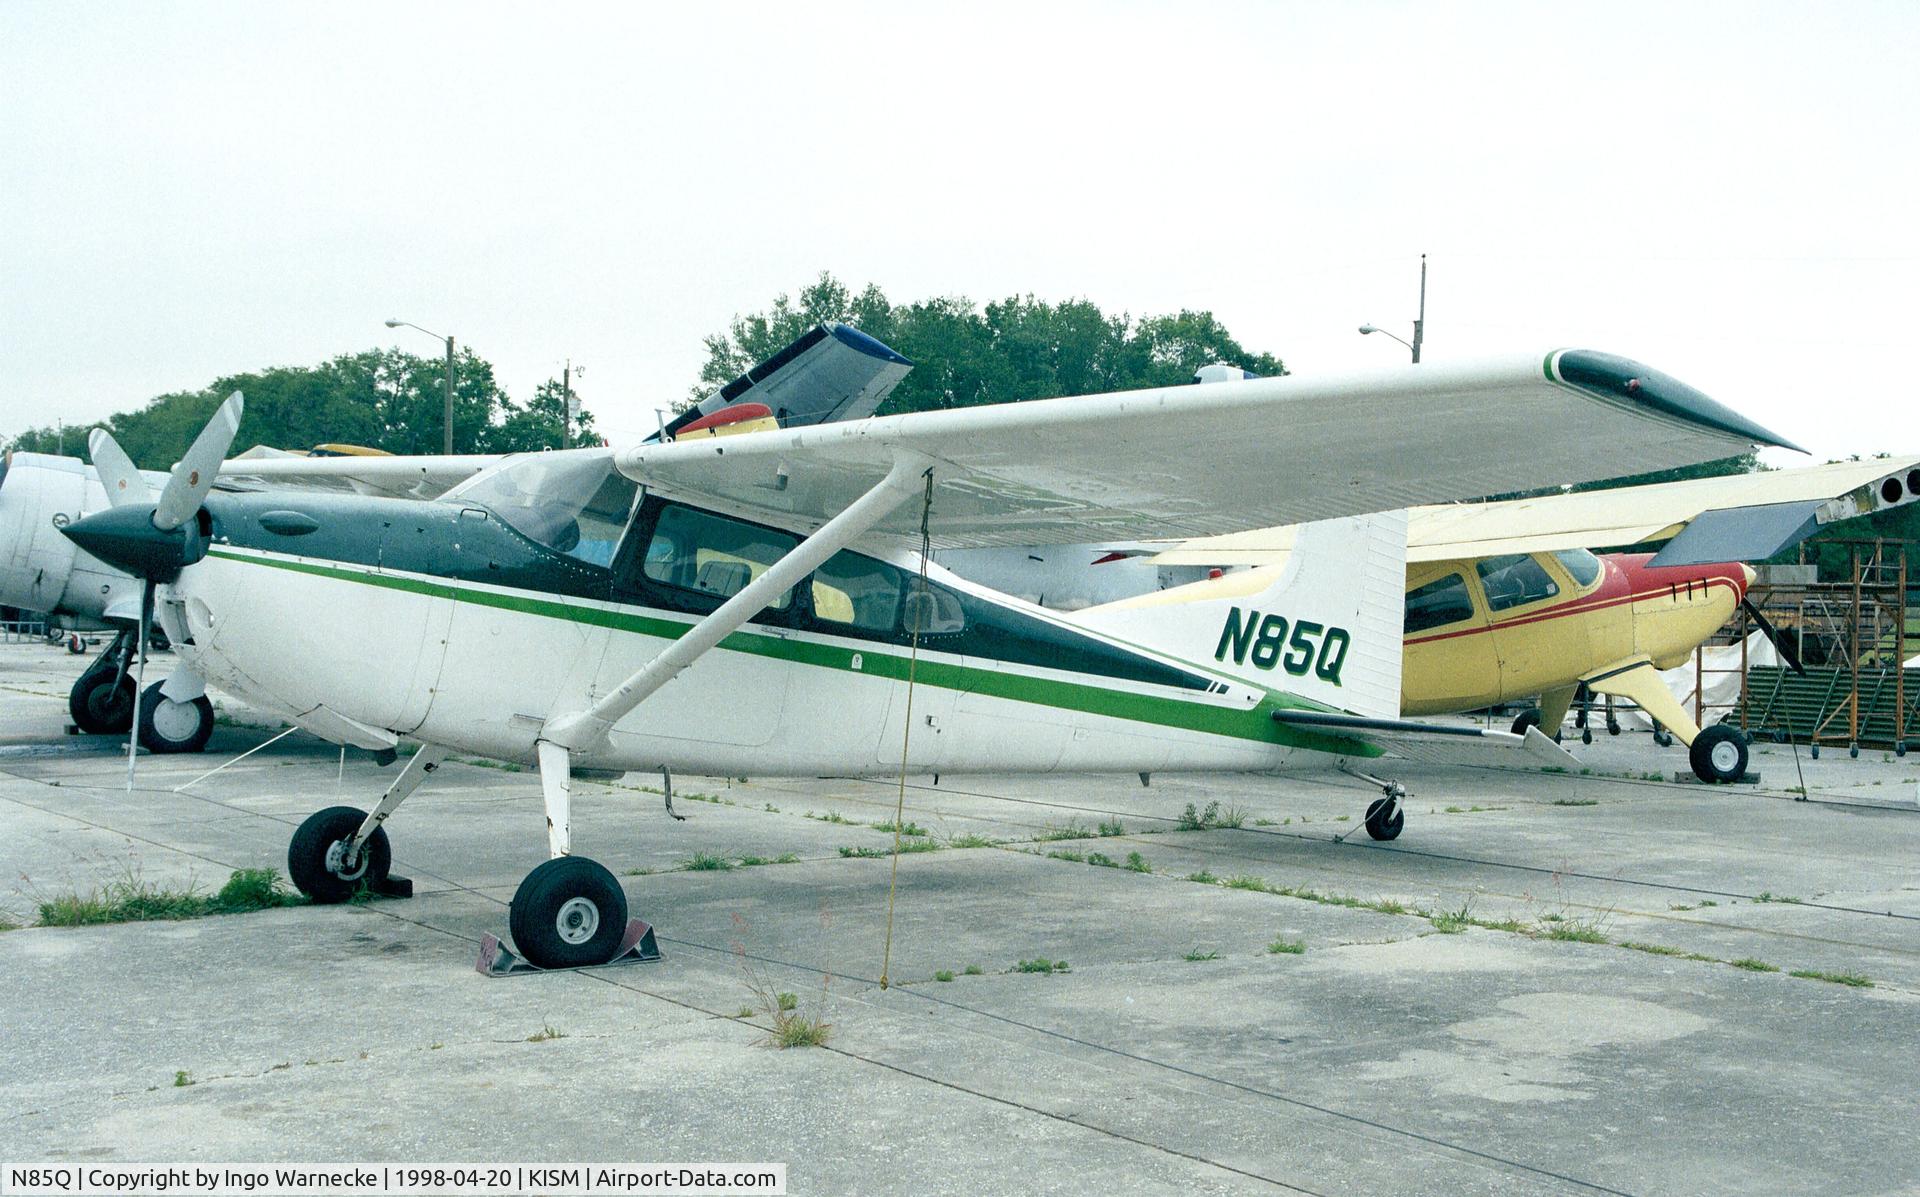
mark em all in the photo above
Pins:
pixel 1419 323
pixel 566 406
pixel 446 417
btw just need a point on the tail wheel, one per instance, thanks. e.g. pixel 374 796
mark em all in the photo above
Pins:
pixel 317 859
pixel 1385 819
pixel 169 726
pixel 98 706
pixel 1719 754
pixel 1526 719
pixel 570 912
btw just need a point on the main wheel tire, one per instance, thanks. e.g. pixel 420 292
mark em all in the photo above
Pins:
pixel 1379 826
pixel 1526 719
pixel 98 706
pixel 169 726
pixel 570 912
pixel 1719 753
pixel 314 857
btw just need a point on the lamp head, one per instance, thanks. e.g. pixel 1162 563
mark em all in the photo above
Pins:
pixel 394 323
pixel 1367 328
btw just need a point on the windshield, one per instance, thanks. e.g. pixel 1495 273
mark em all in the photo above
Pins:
pixel 573 503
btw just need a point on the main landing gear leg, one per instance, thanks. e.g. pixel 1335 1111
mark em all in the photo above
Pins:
pixel 1385 816
pixel 338 849
pixel 570 912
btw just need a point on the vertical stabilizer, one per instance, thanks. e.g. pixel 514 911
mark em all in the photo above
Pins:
pixel 1326 625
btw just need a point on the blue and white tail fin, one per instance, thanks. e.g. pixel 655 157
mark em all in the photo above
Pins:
pixel 1326 625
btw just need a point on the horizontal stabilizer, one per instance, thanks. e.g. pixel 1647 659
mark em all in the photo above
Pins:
pixel 830 373
pixel 1440 743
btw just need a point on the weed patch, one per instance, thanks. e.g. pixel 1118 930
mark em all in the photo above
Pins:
pixel 1203 878
pixel 862 852
pixel 547 1031
pixel 1287 947
pixel 1138 863
pixel 131 900
pixel 1854 979
pixel 1111 827
pixel 705 862
pixel 1754 966
pixel 1197 955
pixel 1041 964
pixel 943 974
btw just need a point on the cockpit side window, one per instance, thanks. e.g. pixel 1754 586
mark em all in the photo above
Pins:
pixel 568 502
pixel 713 555
pixel 1514 581
pixel 1583 567
pixel 1438 603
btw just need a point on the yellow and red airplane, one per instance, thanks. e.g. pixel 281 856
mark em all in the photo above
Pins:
pixel 1505 601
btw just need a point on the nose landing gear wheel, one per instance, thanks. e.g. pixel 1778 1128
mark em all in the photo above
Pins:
pixel 169 726
pixel 569 913
pixel 318 863
pixel 1719 753
pixel 99 707
pixel 1385 819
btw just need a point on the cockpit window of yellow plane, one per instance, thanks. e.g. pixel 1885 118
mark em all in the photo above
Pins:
pixel 1514 581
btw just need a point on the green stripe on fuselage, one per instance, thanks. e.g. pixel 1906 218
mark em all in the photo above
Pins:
pixel 1255 723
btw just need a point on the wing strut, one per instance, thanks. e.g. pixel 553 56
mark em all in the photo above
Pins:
pixel 585 730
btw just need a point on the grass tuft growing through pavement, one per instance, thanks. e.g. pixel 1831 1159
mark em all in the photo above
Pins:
pixel 1041 964
pixel 131 900
pixel 1856 980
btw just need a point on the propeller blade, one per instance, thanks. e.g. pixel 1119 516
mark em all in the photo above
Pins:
pixel 117 472
pixel 1780 642
pixel 193 476
pixel 140 678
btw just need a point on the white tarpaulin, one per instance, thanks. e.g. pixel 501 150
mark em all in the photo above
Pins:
pixel 1723 688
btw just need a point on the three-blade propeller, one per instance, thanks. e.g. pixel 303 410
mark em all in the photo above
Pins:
pixel 153 539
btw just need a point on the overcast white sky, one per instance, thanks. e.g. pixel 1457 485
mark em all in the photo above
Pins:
pixel 1726 192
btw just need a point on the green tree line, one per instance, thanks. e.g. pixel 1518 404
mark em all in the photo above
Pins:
pixel 380 398
pixel 1012 349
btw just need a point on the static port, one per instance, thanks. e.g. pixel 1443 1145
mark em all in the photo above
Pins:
pixel 1890 491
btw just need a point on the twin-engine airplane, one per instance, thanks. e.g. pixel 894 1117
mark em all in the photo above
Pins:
pixel 763 603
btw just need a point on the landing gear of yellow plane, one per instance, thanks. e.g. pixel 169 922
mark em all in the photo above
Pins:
pixel 1719 753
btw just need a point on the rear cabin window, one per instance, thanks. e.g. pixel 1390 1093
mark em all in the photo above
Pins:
pixel 1514 581
pixel 1439 602
pixel 865 595
pixel 712 555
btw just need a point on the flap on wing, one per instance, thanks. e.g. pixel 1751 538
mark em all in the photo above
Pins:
pixel 1741 534
pixel 830 373
pixel 1199 460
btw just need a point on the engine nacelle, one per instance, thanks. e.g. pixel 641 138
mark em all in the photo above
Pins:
pixel 40 568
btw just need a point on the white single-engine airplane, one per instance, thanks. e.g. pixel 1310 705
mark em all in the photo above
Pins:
pixel 763 604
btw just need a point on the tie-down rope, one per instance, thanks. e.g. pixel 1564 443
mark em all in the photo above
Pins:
pixel 920 614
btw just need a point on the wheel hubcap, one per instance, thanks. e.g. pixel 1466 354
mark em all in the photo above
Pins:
pixel 577 920
pixel 340 866
pixel 1725 757
pixel 175 721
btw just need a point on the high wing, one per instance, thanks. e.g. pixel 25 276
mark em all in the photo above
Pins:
pixel 1191 461
pixel 424 477
pixel 1737 517
pixel 830 373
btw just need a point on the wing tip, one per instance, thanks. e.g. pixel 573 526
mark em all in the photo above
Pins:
pixel 1618 379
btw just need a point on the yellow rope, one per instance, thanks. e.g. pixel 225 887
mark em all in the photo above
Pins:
pixel 920 615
